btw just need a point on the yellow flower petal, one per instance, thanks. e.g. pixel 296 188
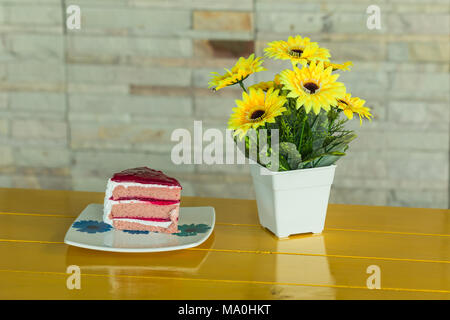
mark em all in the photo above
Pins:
pixel 256 109
pixel 314 87
pixel 240 71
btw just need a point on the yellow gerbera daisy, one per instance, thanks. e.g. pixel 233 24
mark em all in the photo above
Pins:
pixel 313 86
pixel 351 105
pixel 255 110
pixel 275 84
pixel 277 81
pixel 264 86
pixel 241 70
pixel 336 66
pixel 298 50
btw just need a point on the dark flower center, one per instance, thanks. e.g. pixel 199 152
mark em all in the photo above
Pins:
pixel 296 52
pixel 311 87
pixel 257 114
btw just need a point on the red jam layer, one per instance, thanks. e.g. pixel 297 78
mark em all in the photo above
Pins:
pixel 145 219
pixel 145 175
pixel 157 202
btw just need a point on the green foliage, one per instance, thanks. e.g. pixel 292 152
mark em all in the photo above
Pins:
pixel 310 140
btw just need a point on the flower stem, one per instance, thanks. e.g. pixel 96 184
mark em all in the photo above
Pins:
pixel 242 86
pixel 301 135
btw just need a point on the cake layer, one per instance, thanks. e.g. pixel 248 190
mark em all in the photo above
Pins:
pixel 122 192
pixel 128 225
pixel 141 209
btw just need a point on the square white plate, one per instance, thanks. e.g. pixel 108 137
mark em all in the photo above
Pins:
pixel 90 232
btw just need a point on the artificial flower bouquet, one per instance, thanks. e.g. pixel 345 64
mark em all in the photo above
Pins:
pixel 305 103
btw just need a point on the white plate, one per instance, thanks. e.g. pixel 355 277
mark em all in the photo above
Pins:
pixel 90 232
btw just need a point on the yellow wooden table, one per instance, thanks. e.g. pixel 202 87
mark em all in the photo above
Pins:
pixel 240 260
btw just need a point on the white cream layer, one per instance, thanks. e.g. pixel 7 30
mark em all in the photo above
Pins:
pixel 162 224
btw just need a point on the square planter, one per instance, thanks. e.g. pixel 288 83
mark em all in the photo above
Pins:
pixel 292 202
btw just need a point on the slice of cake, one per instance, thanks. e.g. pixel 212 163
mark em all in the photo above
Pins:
pixel 142 199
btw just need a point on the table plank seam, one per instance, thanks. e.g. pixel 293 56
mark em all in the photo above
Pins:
pixel 266 252
pixel 254 225
pixel 231 281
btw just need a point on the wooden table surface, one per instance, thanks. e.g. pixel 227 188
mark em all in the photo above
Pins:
pixel 240 260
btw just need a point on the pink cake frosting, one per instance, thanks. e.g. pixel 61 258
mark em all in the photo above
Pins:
pixel 142 199
pixel 145 175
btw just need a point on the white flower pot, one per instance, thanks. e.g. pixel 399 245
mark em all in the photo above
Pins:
pixel 292 202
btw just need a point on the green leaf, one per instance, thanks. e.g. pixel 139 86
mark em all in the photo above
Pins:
pixel 329 159
pixel 340 144
pixel 290 152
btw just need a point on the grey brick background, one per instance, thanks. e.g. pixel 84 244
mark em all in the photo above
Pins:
pixel 77 105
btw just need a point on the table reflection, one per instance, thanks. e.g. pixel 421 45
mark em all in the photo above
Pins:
pixel 125 269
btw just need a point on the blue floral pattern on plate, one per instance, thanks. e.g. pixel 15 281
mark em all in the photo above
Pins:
pixel 192 229
pixel 91 226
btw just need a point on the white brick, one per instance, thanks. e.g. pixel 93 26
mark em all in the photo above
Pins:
pixel 286 5
pixel 4 127
pixel 34 15
pixel 36 47
pixel 426 166
pixel 212 107
pixel 143 137
pixel 419 23
pixel 356 50
pixel 433 86
pixel 42 157
pixel 289 22
pixel 7 157
pixel 418 141
pixel 39 130
pixel 235 5
pixel 129 46
pixel 361 164
pixel 418 112
pixel 37 101
pixel 5 181
pixel 365 84
pixel 130 21
pixel 3 100
pixel 359 196
pixel 98 104
pixel 88 163
pixel 341 22
pixel 419 198
pixel 126 74
pixel 398 51
pixel 35 71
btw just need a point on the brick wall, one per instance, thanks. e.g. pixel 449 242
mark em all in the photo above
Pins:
pixel 77 105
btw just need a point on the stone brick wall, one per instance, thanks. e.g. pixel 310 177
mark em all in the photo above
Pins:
pixel 76 105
